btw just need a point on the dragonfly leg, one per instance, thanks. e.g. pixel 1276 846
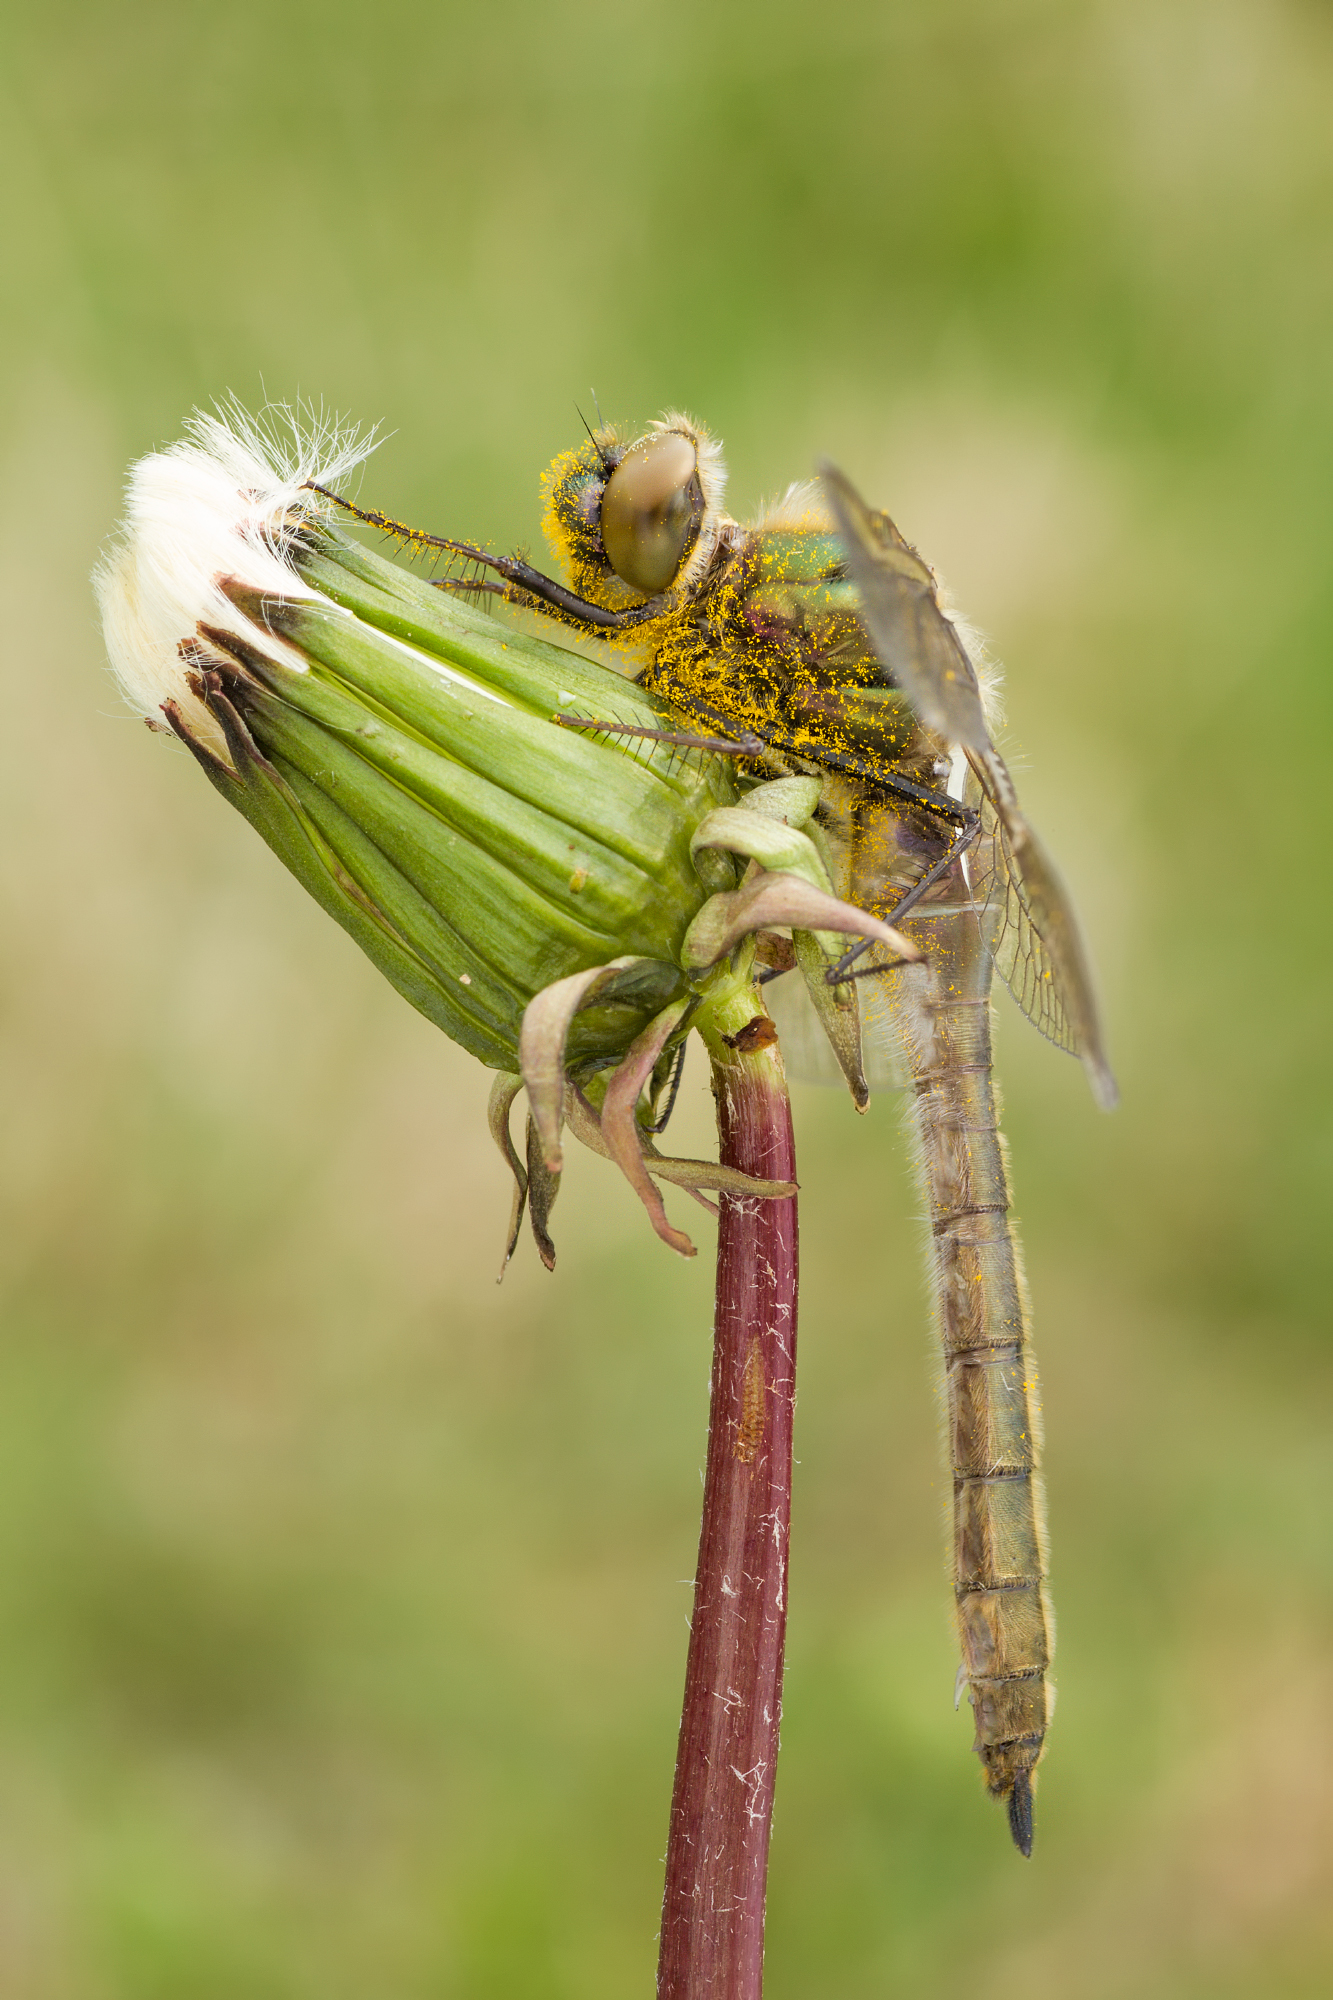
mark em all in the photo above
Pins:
pixel 877 780
pixel 525 581
pixel 958 846
pixel 820 757
pixel 682 739
pixel 413 539
pixel 663 1117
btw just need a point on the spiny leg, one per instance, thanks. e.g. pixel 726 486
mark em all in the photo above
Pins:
pixel 682 739
pixel 962 840
pixel 663 1117
pixel 821 757
pixel 414 540
pixel 526 581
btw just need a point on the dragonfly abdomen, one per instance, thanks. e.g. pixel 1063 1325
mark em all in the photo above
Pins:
pixel 1004 1623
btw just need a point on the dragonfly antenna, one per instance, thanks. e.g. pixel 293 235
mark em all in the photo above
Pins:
pixel 606 463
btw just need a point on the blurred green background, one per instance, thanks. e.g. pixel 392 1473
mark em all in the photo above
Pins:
pixel 342 1599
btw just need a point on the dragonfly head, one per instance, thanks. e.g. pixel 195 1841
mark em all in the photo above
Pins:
pixel 634 520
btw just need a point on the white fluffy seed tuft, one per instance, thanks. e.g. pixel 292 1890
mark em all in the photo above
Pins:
pixel 224 501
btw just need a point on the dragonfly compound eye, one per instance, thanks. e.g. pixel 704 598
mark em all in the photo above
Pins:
pixel 651 511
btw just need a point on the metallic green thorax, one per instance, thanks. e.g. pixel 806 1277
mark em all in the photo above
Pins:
pixel 413 780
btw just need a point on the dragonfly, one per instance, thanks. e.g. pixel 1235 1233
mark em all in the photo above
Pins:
pixel 814 639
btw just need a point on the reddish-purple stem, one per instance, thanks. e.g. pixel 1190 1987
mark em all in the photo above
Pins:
pixel 721 1812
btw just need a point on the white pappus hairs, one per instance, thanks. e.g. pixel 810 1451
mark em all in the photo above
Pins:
pixel 217 503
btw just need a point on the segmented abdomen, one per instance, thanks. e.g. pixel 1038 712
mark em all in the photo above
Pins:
pixel 1004 1622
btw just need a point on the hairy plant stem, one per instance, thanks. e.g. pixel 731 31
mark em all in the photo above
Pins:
pixel 712 1943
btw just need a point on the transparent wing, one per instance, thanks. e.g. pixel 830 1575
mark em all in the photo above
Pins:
pixel 805 1050
pixel 1027 919
pixel 900 607
pixel 1029 925
pixel 1011 932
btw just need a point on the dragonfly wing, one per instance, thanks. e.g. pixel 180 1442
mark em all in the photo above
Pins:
pixel 882 1055
pixel 806 1054
pixel 901 609
pixel 1027 919
pixel 1030 928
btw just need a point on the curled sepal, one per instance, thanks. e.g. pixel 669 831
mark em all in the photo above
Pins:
pixel 838 1012
pixel 775 845
pixel 503 1092
pixel 780 899
pixel 581 1117
pixel 541 1048
pixel 692 1175
pixel 543 1187
pixel 620 1127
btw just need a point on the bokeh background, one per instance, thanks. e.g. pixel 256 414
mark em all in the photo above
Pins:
pixel 343 1596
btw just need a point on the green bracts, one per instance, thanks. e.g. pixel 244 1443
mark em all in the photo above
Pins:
pixel 412 778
